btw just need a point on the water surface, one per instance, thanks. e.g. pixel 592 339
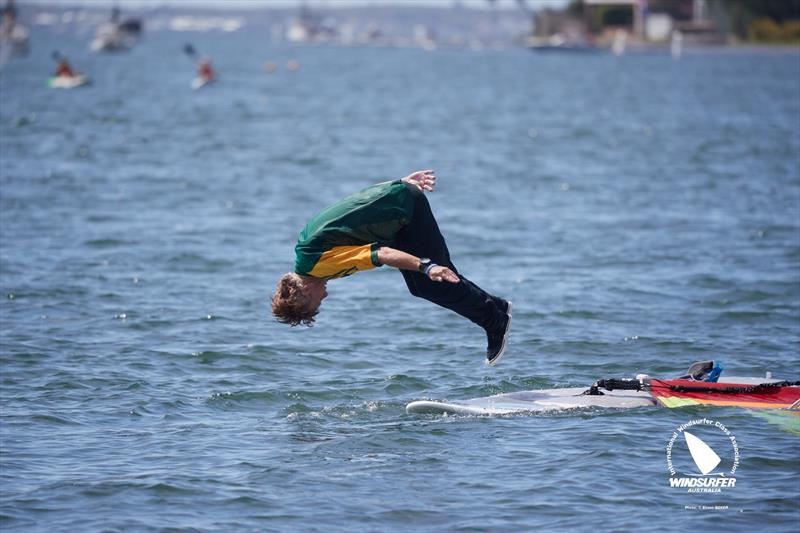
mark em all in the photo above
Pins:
pixel 642 213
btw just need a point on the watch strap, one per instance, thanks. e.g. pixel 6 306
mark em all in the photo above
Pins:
pixel 429 267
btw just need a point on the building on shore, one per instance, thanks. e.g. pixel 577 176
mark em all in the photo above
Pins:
pixel 613 23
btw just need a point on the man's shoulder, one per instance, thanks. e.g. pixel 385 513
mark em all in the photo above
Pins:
pixel 305 259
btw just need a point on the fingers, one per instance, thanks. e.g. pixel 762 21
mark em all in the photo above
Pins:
pixel 451 277
pixel 424 179
pixel 422 175
pixel 444 274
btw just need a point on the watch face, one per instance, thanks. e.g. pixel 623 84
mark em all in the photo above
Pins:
pixel 423 262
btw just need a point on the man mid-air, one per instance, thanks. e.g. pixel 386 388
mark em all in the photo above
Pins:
pixel 387 224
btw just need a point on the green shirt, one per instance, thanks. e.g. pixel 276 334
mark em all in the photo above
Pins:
pixel 344 238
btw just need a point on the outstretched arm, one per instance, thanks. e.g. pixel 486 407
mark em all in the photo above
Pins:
pixel 404 261
pixel 424 180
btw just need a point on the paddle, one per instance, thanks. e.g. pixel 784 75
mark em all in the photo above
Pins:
pixel 189 50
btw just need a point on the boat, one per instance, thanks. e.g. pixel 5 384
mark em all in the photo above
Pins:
pixel 702 385
pixel 559 43
pixel 110 37
pixel 68 82
pixel 116 35
pixel 14 37
pixel 201 81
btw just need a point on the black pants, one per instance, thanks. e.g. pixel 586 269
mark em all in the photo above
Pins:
pixel 422 238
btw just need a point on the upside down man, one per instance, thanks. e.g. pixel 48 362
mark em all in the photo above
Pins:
pixel 389 224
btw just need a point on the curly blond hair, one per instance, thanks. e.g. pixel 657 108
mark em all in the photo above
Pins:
pixel 290 305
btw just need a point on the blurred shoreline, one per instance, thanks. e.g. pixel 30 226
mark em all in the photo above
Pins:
pixel 462 26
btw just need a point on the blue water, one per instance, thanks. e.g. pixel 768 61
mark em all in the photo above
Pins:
pixel 641 212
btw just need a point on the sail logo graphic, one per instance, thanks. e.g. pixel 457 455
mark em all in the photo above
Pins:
pixel 710 474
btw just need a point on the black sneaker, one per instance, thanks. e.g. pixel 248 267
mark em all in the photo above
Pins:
pixel 497 340
pixel 503 305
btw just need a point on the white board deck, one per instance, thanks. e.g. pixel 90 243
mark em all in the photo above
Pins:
pixel 534 401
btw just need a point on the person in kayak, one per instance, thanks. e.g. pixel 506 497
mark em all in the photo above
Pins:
pixel 64 69
pixel 390 224
pixel 204 69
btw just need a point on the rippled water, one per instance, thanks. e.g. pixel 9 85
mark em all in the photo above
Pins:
pixel 642 213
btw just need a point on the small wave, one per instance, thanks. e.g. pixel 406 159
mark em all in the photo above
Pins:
pixel 55 419
pixel 189 262
pixel 246 500
pixel 748 317
pixel 708 281
pixel 209 357
pixel 400 383
pixel 108 243
pixel 239 397
pixel 580 313
pixel 344 411
pixel 63 384
pixel 298 408
pixel 101 219
pixel 110 119
pixel 163 488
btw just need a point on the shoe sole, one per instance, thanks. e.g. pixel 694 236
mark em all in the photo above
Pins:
pixel 505 339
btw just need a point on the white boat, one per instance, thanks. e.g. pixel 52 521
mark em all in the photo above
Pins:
pixel 14 39
pixel 559 43
pixel 110 37
pixel 116 35
pixel 201 81
pixel 13 35
pixel 68 82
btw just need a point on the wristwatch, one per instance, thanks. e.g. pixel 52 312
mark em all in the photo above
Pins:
pixel 424 262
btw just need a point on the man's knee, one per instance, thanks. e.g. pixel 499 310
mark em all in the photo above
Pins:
pixel 422 287
pixel 439 292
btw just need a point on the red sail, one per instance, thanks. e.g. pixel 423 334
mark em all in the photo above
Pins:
pixel 682 392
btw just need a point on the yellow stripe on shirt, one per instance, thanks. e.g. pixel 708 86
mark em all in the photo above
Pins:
pixel 342 261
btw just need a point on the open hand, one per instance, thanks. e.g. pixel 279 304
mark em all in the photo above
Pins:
pixel 424 180
pixel 440 273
